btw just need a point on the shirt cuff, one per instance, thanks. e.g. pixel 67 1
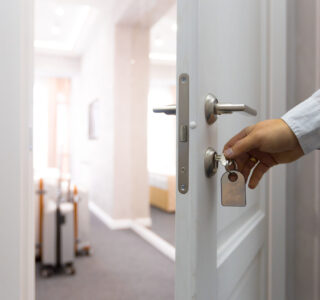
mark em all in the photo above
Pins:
pixel 304 121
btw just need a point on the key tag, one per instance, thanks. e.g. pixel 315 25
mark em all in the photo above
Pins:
pixel 233 187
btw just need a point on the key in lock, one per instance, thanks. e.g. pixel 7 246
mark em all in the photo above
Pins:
pixel 233 186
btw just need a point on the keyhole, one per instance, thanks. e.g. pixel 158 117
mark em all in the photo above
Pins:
pixel 233 177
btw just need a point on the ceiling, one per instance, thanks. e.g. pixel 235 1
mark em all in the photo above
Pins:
pixel 59 25
pixel 62 26
pixel 163 38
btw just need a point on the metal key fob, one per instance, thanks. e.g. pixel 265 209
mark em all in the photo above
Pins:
pixel 233 189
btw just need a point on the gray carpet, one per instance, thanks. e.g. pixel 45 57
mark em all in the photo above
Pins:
pixel 123 267
pixel 163 224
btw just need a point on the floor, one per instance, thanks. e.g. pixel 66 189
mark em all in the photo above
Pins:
pixel 123 267
pixel 163 224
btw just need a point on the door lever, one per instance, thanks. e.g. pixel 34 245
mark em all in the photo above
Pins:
pixel 167 109
pixel 213 108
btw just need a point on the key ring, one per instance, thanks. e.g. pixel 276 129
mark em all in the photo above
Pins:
pixel 233 176
pixel 230 164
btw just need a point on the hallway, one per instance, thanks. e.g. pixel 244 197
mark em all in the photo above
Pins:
pixel 122 267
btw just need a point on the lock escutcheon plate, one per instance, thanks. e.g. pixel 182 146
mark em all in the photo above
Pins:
pixel 209 108
pixel 210 162
pixel 183 141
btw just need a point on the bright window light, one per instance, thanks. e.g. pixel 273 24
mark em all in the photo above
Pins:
pixel 174 27
pixel 55 30
pixel 59 11
pixel 166 57
pixel 158 42
pixel 161 133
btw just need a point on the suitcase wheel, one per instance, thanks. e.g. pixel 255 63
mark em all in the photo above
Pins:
pixel 88 251
pixel 69 270
pixel 46 272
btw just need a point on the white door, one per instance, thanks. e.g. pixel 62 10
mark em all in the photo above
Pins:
pixel 234 49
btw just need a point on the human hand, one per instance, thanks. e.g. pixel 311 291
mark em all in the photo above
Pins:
pixel 262 146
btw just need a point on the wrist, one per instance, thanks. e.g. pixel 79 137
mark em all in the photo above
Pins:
pixel 289 135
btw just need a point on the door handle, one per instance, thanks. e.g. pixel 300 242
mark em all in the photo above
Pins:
pixel 167 109
pixel 213 108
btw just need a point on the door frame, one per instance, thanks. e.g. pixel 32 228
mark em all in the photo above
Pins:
pixel 18 272
pixel 275 181
pixel 303 176
pixel 277 105
pixel 27 200
pixel 277 177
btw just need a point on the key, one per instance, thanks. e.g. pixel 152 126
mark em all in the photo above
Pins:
pixel 222 159
pixel 233 189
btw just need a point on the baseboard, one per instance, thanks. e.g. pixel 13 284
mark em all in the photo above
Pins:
pixel 138 226
pixel 144 222
pixel 156 241
pixel 115 224
pixel 107 220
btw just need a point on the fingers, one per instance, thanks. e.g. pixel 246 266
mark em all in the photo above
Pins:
pixel 242 161
pixel 247 169
pixel 237 137
pixel 265 162
pixel 257 174
pixel 243 133
pixel 266 158
pixel 244 145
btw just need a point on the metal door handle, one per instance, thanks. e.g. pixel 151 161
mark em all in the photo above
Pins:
pixel 167 109
pixel 213 108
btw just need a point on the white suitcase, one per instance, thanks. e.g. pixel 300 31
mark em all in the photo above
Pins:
pixel 49 191
pixel 58 238
pixel 83 246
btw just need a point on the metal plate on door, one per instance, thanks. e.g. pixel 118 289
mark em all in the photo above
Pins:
pixel 183 131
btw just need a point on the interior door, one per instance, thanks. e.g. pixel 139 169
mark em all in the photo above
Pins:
pixel 224 48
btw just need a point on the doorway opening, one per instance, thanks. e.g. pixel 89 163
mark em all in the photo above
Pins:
pixel 100 68
pixel 161 127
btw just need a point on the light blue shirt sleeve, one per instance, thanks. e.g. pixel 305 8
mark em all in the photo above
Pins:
pixel 304 121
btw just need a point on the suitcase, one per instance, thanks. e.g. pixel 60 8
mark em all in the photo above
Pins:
pixel 58 238
pixel 79 198
pixel 43 190
pixel 82 222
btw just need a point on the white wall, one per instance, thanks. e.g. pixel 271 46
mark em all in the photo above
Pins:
pixel 131 75
pixel 53 65
pixel 92 160
pixel 16 207
pixel 115 70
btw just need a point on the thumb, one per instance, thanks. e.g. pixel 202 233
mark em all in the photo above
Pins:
pixel 242 146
